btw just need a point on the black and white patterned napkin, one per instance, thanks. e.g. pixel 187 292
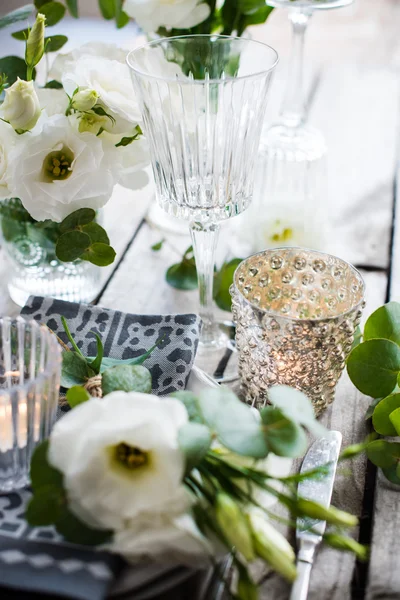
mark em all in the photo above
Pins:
pixel 36 562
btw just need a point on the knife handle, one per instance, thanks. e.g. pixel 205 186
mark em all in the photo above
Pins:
pixel 302 582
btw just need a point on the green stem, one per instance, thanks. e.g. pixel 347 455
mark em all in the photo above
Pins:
pixel 29 72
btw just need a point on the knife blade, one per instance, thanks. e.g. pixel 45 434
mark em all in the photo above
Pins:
pixel 309 532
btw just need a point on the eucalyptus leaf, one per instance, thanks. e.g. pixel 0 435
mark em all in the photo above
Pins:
pixel 20 14
pixel 384 323
pixel 236 425
pixel 99 254
pixel 392 474
pixel 284 437
pixel 72 245
pixel 96 233
pixel 53 85
pixel 108 362
pixel 222 282
pixel 77 395
pixel 75 370
pixel 46 506
pixel 395 420
pixel 55 42
pixel 194 441
pixel 384 454
pixel 182 276
pixel 42 473
pixel 297 407
pixel 72 6
pixel 21 35
pixel 189 399
pixel 373 367
pixel 14 67
pixel 127 378
pixel 53 11
pixel 77 532
pixel 79 217
pixel 381 416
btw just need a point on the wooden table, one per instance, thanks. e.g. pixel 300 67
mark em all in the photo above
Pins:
pixel 354 58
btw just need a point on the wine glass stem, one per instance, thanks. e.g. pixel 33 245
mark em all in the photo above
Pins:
pixel 204 239
pixel 293 108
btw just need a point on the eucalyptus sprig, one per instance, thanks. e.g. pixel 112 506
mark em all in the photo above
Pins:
pixel 374 368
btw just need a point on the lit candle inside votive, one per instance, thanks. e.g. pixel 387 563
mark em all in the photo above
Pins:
pixel 6 424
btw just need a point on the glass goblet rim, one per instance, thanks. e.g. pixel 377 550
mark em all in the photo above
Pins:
pixel 186 80
pixel 279 315
pixel 54 356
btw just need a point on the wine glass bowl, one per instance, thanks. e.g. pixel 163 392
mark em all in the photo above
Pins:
pixel 309 4
pixel 203 98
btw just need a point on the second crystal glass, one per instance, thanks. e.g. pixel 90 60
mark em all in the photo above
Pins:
pixel 203 99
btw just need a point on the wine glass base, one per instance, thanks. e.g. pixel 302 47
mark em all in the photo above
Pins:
pixel 219 358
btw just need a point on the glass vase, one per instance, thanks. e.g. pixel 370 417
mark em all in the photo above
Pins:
pixel 33 268
pixel 30 365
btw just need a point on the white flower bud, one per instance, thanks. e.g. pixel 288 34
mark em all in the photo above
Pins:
pixel 234 526
pixel 21 107
pixel 85 100
pixel 35 42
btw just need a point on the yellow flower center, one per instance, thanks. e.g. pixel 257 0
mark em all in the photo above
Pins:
pixel 130 457
pixel 58 164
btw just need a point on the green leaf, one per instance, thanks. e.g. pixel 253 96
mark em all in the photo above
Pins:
pixel 21 35
pixel 53 85
pixel 77 395
pixel 122 19
pixel 75 370
pixel 358 336
pixel 46 506
pixel 77 532
pixel 78 218
pixel 384 323
pixel 20 14
pixel 223 280
pixel 127 378
pixel 157 247
pixel 395 420
pixel 96 363
pixel 55 42
pixel 191 403
pixel 373 367
pixel 194 440
pixel 297 407
pixel 42 474
pixel 107 8
pixel 283 436
pixel 40 3
pixel 371 408
pixel 392 474
pixel 99 254
pixel 255 18
pixel 125 141
pixel 384 454
pixel 53 11
pixel 72 245
pixel 381 416
pixel 69 335
pixel 108 362
pixel 96 233
pixel 236 425
pixel 182 276
pixel 73 8
pixel 250 7
pixel 13 67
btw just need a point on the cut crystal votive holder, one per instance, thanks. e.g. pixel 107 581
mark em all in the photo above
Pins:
pixel 30 366
pixel 296 312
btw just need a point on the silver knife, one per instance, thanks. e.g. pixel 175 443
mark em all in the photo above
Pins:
pixel 309 532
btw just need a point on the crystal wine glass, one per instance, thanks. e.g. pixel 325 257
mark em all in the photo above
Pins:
pixel 203 98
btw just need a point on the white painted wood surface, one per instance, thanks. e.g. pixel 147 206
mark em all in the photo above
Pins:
pixel 356 51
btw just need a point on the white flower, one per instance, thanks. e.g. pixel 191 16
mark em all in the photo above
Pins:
pixel 55 170
pixel 179 14
pixel 53 102
pixel 21 106
pixel 168 540
pixel 129 161
pixel 120 457
pixel 102 68
pixel 85 99
pixel 8 139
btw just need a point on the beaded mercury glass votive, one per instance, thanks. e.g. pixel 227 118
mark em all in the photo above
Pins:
pixel 30 365
pixel 295 312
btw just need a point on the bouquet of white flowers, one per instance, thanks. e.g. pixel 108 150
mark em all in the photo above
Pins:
pixel 64 146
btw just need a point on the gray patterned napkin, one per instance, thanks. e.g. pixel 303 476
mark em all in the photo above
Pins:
pixel 35 562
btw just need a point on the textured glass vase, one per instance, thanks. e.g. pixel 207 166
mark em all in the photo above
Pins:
pixel 30 365
pixel 203 98
pixel 33 268
pixel 296 312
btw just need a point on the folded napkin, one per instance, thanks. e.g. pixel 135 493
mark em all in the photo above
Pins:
pixel 36 562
